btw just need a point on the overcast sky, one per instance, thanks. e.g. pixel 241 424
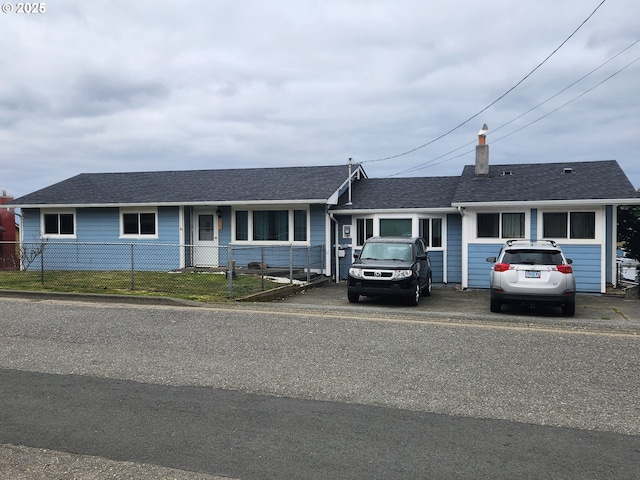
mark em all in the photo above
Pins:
pixel 111 86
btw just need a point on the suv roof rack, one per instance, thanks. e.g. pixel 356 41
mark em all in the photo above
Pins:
pixel 529 241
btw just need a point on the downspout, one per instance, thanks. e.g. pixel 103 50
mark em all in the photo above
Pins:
pixel 336 247
pixel 461 210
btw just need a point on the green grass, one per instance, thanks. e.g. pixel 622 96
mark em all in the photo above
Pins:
pixel 200 287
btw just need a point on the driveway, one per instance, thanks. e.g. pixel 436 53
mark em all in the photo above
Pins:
pixel 609 312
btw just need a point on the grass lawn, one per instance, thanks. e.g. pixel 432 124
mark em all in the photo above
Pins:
pixel 200 287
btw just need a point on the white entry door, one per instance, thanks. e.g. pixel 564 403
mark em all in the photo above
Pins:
pixel 206 243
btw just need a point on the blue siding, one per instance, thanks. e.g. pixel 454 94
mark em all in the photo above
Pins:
pixel 454 248
pixel 479 269
pixel 586 266
pixel 317 217
pixel 534 224
pixel 30 224
pixel 437 265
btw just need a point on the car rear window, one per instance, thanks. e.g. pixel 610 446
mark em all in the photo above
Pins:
pixel 532 257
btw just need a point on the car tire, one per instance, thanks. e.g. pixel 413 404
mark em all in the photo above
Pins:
pixel 427 292
pixel 353 297
pixel 496 306
pixel 414 300
pixel 569 309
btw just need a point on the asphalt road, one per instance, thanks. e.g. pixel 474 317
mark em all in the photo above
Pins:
pixel 298 390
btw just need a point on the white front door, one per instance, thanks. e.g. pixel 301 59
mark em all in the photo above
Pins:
pixel 206 239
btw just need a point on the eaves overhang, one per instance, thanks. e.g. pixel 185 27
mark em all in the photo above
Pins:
pixel 550 203
pixel 371 211
pixel 218 203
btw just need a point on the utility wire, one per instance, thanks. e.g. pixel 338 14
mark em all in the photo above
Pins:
pixel 425 164
pixel 496 100
pixel 431 164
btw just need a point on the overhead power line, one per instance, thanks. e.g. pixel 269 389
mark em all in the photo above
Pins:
pixel 431 162
pixel 496 100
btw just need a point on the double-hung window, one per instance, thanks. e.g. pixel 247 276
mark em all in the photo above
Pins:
pixel 60 224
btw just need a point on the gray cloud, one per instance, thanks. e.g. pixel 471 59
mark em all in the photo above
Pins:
pixel 120 86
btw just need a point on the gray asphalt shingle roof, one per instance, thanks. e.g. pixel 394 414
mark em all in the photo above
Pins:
pixel 545 181
pixel 390 193
pixel 192 186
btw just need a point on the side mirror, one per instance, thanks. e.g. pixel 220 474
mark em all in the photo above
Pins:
pixel 356 256
pixel 569 261
pixel 491 259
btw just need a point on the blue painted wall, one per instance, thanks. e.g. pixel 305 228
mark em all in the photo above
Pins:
pixel 479 269
pixel 454 248
pixel 586 265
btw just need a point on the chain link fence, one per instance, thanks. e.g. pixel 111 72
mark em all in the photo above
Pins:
pixel 202 273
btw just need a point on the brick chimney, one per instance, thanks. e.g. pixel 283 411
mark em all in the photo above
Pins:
pixel 482 153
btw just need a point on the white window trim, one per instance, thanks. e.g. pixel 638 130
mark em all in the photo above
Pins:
pixel 64 211
pixel 416 218
pixel 600 230
pixel 500 239
pixel 138 210
pixel 291 233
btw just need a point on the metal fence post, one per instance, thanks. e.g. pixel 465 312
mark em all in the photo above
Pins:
pixel 230 270
pixel 309 264
pixel 42 264
pixel 133 281
pixel 290 263
pixel 262 268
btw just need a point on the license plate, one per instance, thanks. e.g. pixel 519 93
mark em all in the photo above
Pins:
pixel 532 274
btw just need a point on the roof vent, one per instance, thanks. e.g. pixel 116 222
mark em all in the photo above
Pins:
pixel 506 173
pixel 567 170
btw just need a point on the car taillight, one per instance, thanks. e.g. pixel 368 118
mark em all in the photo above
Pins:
pixel 564 268
pixel 501 267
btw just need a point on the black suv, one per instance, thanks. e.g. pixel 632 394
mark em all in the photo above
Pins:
pixel 391 266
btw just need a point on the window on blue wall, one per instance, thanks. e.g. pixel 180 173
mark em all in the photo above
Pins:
pixel 364 229
pixel 139 223
pixel 395 227
pixel 505 225
pixel 578 225
pixel 488 225
pixel 513 225
pixel 271 225
pixel 582 225
pixel 242 225
pixel 431 231
pixel 59 224
pixel 299 225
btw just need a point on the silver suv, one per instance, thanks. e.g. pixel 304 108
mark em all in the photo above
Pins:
pixel 531 273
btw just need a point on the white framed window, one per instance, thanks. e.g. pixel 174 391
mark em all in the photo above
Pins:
pixel 138 223
pixel 501 225
pixel 59 223
pixel 271 225
pixel 431 231
pixel 575 225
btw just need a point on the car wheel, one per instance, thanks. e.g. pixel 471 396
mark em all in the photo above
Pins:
pixel 353 297
pixel 415 298
pixel 496 306
pixel 427 292
pixel 569 309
